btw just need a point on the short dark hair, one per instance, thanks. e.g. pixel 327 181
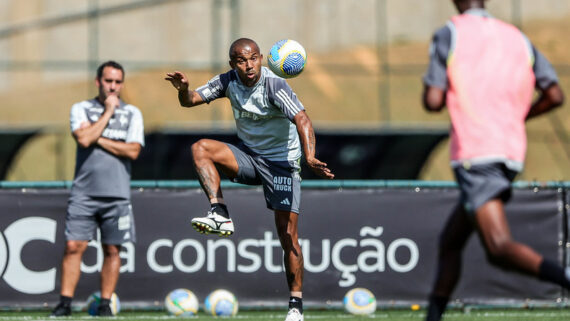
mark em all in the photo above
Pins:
pixel 112 64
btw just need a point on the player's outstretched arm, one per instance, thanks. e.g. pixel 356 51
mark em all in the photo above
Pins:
pixel 186 96
pixel 307 136
pixel 549 99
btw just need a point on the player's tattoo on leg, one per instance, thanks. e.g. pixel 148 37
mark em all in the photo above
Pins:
pixel 209 181
pixel 297 272
pixel 294 265
pixel 286 223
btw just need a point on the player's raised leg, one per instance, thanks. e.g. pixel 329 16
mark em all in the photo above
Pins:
pixel 208 156
pixel 509 254
pixel 286 223
pixel 501 249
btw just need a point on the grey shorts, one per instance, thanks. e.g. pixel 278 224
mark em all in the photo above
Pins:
pixel 483 182
pixel 281 181
pixel 113 217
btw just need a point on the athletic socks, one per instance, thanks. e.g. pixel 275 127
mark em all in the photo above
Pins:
pixel 65 300
pixel 551 271
pixel 105 301
pixel 436 307
pixel 296 303
pixel 63 308
pixel 220 209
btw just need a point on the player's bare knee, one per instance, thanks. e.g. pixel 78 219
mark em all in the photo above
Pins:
pixel 288 240
pixel 111 250
pixel 199 149
pixel 498 251
pixel 110 255
pixel 287 232
pixel 74 248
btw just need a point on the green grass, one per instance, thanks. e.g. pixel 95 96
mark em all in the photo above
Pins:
pixel 392 315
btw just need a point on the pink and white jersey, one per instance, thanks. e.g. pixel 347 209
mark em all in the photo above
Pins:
pixel 491 84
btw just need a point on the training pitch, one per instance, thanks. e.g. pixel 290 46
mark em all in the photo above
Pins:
pixel 392 315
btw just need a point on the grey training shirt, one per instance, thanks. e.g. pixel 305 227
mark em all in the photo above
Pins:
pixel 263 113
pixel 99 173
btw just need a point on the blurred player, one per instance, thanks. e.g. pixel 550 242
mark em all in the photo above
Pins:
pixel 109 135
pixel 275 131
pixel 486 71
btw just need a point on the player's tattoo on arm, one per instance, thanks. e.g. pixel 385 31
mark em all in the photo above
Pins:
pixel 306 134
pixel 311 143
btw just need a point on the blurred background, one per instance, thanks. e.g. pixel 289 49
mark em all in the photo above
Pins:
pixel 361 85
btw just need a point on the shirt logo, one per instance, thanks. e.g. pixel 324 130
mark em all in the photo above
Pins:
pixel 124 222
pixel 282 183
pixel 250 115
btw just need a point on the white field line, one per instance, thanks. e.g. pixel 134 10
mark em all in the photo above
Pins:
pixel 511 315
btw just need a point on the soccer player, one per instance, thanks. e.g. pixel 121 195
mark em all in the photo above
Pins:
pixel 486 71
pixel 275 131
pixel 109 135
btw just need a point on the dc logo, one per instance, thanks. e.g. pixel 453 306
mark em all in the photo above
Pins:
pixel 12 241
pixel 3 254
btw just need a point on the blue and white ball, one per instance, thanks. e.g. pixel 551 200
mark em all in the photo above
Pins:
pixel 287 58
pixel 359 301
pixel 221 303
pixel 181 302
pixel 94 300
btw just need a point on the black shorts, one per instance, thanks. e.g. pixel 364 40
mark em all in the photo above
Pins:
pixel 281 181
pixel 483 182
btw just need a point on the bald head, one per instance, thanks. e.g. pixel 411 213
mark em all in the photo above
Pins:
pixel 245 59
pixel 240 44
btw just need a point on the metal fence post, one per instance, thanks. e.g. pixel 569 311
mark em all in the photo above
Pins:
pixel 384 70
pixel 92 42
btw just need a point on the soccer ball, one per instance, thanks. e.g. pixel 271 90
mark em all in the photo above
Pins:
pixel 94 300
pixel 287 58
pixel 181 302
pixel 359 301
pixel 221 303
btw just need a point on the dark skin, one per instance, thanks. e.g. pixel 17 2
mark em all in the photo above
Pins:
pixel 490 220
pixel 209 155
